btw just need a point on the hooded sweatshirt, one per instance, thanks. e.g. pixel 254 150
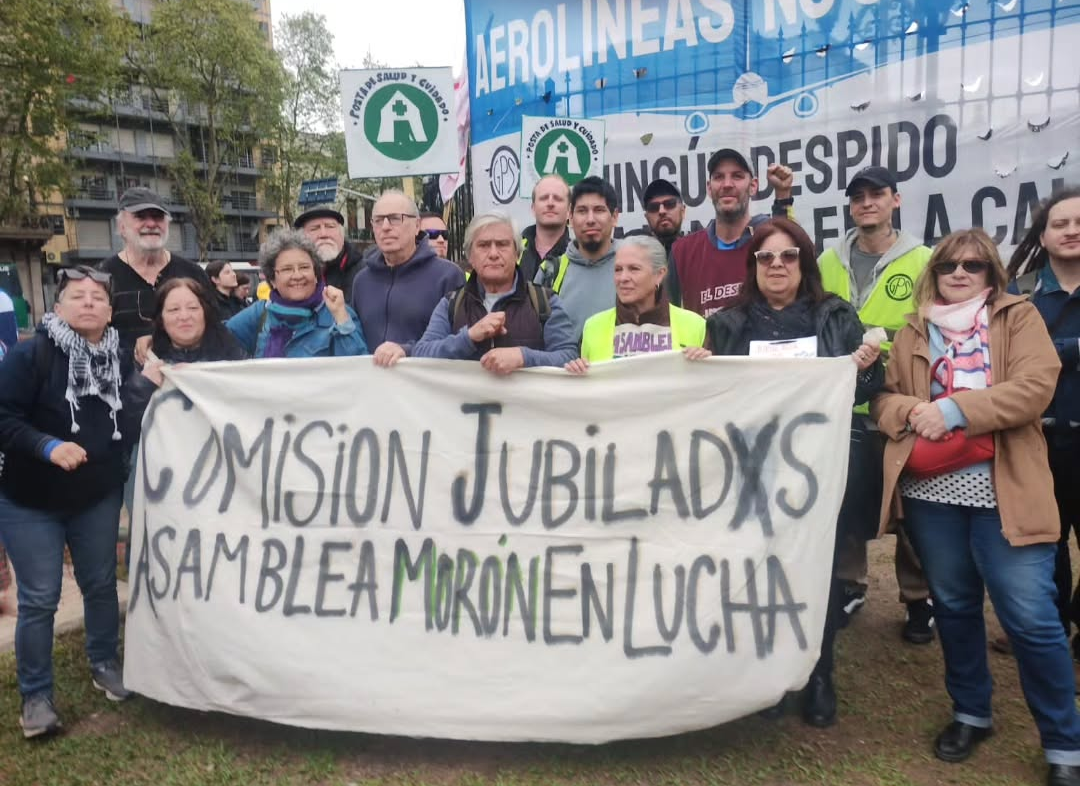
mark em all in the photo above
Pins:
pixel 588 286
pixel 395 303
pixel 905 245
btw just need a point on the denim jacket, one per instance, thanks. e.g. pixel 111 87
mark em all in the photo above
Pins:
pixel 318 337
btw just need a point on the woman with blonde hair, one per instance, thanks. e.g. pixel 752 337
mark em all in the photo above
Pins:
pixel 966 472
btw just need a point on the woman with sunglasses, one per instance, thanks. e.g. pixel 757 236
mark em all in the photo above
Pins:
pixel 783 310
pixel 977 361
pixel 64 469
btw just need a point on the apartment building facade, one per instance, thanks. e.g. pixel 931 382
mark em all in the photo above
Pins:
pixel 131 142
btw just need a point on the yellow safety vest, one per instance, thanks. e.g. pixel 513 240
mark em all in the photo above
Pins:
pixel 891 299
pixel 598 336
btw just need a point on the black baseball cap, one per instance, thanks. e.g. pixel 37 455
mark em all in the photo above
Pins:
pixel 659 188
pixel 877 176
pixel 731 154
pixel 318 212
pixel 135 199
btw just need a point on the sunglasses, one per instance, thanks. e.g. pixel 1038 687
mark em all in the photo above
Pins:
pixel 65 275
pixel 667 204
pixel 972 266
pixel 437 233
pixel 788 256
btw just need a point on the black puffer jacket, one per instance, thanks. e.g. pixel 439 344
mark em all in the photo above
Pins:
pixel 838 328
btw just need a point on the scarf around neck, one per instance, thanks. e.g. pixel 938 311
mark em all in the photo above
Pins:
pixel 795 320
pixel 965 330
pixel 93 369
pixel 285 316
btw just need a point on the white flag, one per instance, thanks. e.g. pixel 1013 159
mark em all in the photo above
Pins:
pixel 448 184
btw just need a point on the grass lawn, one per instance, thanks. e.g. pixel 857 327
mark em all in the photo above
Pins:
pixel 891 695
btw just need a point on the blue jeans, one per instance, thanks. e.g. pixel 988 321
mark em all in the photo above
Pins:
pixel 35 542
pixel 962 549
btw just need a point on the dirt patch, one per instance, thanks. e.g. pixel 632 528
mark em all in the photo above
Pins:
pixel 102 723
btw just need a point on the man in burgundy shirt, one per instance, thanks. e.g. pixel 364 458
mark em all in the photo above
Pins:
pixel 711 263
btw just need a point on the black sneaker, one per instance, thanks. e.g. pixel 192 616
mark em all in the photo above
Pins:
pixel 919 625
pixel 109 677
pixel 38 717
pixel 852 599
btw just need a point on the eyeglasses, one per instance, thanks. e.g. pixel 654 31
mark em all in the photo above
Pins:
pixel 789 256
pixel 395 219
pixel 292 271
pixel 972 266
pixel 437 233
pixel 667 204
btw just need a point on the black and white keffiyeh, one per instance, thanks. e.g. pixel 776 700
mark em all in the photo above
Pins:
pixel 93 369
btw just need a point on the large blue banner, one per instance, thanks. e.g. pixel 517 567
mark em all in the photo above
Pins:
pixel 906 83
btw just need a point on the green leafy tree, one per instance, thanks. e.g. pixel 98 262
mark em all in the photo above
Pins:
pixel 57 60
pixel 209 62
pixel 308 138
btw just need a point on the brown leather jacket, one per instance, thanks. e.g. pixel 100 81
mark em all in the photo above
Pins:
pixel 1025 370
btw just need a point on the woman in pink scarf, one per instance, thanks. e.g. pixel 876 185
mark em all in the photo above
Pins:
pixel 986 525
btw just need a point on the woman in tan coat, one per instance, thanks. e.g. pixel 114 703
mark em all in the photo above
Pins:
pixel 991 524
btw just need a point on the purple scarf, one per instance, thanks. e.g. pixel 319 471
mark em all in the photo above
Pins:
pixel 284 316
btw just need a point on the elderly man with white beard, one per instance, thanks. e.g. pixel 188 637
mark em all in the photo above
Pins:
pixel 143 264
pixel 341 261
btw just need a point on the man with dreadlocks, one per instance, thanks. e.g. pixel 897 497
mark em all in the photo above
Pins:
pixel 1046 266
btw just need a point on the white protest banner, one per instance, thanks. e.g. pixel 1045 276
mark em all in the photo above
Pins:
pixel 430 550
pixel 399 121
pixel 572 148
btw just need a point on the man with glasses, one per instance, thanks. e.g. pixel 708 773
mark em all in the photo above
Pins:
pixel 711 263
pixel 875 268
pixel 144 264
pixel 583 277
pixel 664 212
pixel 548 238
pixel 401 282
pixel 341 261
pixel 434 229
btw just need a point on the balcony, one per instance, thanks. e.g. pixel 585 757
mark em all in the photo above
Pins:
pixel 104 152
pixel 92 198
pixel 235 249
pixel 95 194
pixel 244 205
pixel 238 201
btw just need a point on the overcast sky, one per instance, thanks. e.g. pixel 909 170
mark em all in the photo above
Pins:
pixel 397 32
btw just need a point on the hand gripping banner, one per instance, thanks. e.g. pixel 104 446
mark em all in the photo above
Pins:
pixel 430 550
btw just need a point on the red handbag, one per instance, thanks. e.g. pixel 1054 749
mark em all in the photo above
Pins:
pixel 956 451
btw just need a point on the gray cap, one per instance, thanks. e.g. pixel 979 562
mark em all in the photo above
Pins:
pixel 743 159
pixel 135 199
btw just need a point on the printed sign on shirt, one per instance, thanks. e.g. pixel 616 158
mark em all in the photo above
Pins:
pixel 641 339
